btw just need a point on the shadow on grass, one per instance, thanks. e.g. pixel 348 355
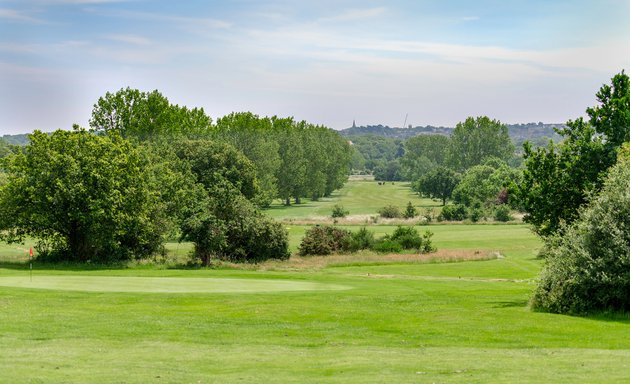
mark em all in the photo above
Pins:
pixel 511 304
pixel 47 266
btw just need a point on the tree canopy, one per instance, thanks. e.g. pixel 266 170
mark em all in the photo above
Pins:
pixel 85 196
pixel 557 180
pixel 588 266
pixel 476 139
pixel 439 183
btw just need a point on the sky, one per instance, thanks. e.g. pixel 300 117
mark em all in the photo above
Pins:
pixel 327 62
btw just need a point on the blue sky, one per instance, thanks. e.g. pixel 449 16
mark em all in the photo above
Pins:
pixel 327 62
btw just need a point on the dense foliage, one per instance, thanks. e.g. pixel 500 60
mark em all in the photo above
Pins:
pixel 325 240
pixel 150 170
pixel 476 139
pixel 423 153
pixel 484 187
pixel 558 179
pixel 438 184
pixel 588 267
pixel 291 159
pixel 85 197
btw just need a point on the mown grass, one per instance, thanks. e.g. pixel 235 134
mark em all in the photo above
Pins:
pixel 359 197
pixel 401 319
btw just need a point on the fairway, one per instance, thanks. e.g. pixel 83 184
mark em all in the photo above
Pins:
pixel 162 284
pixel 357 322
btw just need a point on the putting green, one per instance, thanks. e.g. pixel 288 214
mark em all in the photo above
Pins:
pixel 162 284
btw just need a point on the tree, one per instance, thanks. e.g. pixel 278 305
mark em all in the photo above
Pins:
pixel 85 197
pixel 588 266
pixel 213 162
pixel 476 139
pixel 438 184
pixel 253 136
pixel 146 115
pixel 482 184
pixel 291 174
pixel 388 171
pixel 558 180
pixel 225 224
pixel 611 117
pixel 422 154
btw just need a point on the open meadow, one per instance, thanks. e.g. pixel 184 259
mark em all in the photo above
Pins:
pixel 459 315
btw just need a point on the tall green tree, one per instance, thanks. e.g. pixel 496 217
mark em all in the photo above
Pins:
pixel 225 224
pixel 85 197
pixel 253 136
pixel 438 184
pixel 146 115
pixel 422 154
pixel 476 139
pixel 558 180
pixel 482 184
pixel 588 266
pixel 292 173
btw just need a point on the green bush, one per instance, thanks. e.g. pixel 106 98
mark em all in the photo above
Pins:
pixel 456 212
pixel 387 245
pixel 362 239
pixel 407 237
pixel 324 240
pixel 410 211
pixel 588 268
pixel 476 214
pixel 390 212
pixel 502 213
pixel 338 211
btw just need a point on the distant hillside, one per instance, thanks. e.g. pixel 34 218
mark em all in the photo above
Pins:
pixel 518 132
pixel 21 139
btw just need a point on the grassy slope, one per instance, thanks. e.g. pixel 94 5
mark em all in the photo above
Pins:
pixel 455 322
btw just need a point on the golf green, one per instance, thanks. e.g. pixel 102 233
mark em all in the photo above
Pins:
pixel 162 284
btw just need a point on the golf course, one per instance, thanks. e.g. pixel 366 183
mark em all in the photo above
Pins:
pixel 458 315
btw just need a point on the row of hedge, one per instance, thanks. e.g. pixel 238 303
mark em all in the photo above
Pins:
pixel 326 239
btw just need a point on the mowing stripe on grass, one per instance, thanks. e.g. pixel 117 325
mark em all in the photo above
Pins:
pixel 163 284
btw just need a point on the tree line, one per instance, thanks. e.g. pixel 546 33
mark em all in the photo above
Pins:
pixel 147 170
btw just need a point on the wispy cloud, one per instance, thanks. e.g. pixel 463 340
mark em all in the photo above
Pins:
pixel 180 20
pixel 355 14
pixel 129 39
pixel 12 14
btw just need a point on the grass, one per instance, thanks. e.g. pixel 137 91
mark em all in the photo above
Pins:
pixel 400 318
pixel 362 198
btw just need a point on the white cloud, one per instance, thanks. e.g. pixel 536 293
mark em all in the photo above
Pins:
pixel 11 14
pixel 355 14
pixel 129 39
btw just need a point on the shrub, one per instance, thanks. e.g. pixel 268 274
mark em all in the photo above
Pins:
pixel 324 240
pixel 390 212
pixel 410 211
pixel 588 268
pixel 387 245
pixel 456 212
pixel 502 213
pixel 362 239
pixel 407 237
pixel 338 211
pixel 476 214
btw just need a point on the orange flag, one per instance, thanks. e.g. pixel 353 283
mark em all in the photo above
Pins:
pixel 30 252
